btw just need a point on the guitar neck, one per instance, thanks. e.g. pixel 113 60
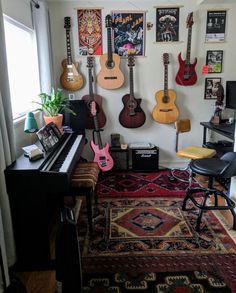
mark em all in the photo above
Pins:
pixel 188 46
pixel 68 47
pixel 90 75
pixel 97 132
pixel 131 80
pixel 109 45
pixel 165 80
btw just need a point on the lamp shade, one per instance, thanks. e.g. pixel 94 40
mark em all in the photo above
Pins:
pixel 30 123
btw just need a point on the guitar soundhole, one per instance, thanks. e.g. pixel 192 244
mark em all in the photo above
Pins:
pixel 110 64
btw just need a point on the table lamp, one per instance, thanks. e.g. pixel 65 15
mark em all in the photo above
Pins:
pixel 30 123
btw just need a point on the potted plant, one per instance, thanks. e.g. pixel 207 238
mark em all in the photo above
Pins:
pixel 54 105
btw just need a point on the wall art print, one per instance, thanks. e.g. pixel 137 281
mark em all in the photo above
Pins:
pixel 90 31
pixel 129 32
pixel 214 59
pixel 215 26
pixel 211 87
pixel 167 24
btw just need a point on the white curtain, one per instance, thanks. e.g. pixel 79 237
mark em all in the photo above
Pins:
pixel 7 155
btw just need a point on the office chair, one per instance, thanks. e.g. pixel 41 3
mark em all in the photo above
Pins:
pixel 189 152
pixel 214 168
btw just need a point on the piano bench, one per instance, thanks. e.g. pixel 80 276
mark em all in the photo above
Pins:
pixel 84 182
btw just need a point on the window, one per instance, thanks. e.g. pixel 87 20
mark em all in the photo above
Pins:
pixel 22 67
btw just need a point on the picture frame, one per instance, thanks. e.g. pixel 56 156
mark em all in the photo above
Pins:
pixel 211 87
pixel 167 24
pixel 129 32
pixel 215 26
pixel 214 61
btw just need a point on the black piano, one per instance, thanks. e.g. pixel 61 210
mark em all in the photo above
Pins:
pixel 36 189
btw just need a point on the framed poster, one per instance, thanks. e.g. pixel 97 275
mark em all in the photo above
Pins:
pixel 167 24
pixel 129 32
pixel 211 87
pixel 214 59
pixel 215 26
pixel 90 31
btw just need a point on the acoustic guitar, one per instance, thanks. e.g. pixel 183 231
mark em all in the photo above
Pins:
pixel 186 74
pixel 110 75
pixel 101 153
pixel 131 116
pixel 165 111
pixel 93 97
pixel 70 79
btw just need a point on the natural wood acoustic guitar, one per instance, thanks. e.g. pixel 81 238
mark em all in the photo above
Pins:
pixel 110 75
pixel 165 111
pixel 101 117
pixel 186 74
pixel 70 79
pixel 131 116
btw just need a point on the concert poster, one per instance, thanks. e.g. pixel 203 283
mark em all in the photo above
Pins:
pixel 90 31
pixel 129 33
pixel 215 26
pixel 167 24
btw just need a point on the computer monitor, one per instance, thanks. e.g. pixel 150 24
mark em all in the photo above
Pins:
pixel 230 95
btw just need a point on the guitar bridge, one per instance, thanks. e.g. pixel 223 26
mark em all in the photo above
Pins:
pixel 166 110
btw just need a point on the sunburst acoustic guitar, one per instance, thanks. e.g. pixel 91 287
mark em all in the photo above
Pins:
pixel 110 75
pixel 165 111
pixel 186 74
pixel 70 79
pixel 132 115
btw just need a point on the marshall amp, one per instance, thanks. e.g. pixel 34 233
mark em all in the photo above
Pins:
pixel 145 159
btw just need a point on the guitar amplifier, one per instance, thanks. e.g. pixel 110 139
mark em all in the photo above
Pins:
pixel 145 160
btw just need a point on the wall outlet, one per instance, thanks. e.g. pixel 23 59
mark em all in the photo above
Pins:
pixel 71 96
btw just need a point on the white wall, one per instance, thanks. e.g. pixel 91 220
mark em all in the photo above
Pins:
pixel 148 72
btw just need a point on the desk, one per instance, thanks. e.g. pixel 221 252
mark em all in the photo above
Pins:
pixel 217 129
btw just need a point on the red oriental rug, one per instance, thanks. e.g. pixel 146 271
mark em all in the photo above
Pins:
pixel 134 184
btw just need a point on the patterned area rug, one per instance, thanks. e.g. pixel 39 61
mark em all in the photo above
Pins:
pixel 134 184
pixel 184 282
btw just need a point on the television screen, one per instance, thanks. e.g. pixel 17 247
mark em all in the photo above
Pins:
pixel 230 96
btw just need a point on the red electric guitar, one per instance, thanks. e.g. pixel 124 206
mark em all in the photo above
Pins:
pixel 101 154
pixel 187 74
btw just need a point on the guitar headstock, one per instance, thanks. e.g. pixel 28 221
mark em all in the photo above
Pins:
pixel 67 24
pixel 90 62
pixel 131 61
pixel 189 21
pixel 166 58
pixel 108 21
pixel 93 108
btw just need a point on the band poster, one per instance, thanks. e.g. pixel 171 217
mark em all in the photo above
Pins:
pixel 167 24
pixel 215 28
pixel 129 33
pixel 90 31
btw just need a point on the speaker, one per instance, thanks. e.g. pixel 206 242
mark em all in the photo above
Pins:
pixel 146 160
pixel 76 122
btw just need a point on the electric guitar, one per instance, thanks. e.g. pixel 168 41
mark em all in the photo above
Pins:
pixel 110 75
pixel 131 116
pixel 165 111
pixel 70 79
pixel 93 97
pixel 186 74
pixel 101 154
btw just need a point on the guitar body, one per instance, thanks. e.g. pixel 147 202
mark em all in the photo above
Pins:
pixel 102 156
pixel 110 77
pixel 186 74
pixel 101 117
pixel 71 79
pixel 129 120
pixel 165 112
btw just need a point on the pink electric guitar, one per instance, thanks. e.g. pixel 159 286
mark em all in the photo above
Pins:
pixel 101 154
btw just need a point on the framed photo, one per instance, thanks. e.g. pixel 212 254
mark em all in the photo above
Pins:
pixel 129 32
pixel 167 24
pixel 211 87
pixel 214 60
pixel 215 26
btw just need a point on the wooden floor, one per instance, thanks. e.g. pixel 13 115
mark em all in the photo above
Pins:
pixel 45 281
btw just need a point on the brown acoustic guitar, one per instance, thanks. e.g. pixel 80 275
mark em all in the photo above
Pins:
pixel 110 75
pixel 70 79
pixel 100 115
pixel 131 116
pixel 165 111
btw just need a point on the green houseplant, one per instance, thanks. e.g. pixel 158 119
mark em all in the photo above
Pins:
pixel 53 106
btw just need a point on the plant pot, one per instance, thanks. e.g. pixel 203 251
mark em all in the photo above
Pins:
pixel 55 119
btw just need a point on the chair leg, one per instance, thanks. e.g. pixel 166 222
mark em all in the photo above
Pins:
pixel 201 213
